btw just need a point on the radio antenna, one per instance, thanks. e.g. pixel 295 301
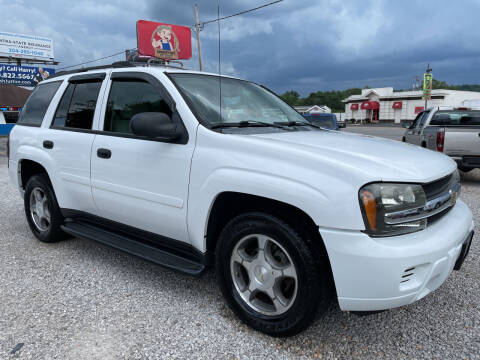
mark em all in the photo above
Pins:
pixel 219 63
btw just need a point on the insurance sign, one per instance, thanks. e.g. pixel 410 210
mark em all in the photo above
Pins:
pixel 164 41
pixel 25 46
pixel 23 75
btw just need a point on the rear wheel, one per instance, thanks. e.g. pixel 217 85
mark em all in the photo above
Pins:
pixel 269 275
pixel 42 211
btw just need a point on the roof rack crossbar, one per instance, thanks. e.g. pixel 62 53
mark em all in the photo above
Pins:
pixel 119 64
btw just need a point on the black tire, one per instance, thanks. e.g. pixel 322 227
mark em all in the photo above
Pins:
pixel 314 291
pixel 54 233
pixel 403 139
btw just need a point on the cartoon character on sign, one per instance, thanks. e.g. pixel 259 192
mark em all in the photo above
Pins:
pixel 162 42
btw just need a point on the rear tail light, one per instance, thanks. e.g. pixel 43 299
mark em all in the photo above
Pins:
pixel 440 140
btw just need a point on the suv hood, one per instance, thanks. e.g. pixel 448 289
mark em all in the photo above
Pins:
pixel 377 158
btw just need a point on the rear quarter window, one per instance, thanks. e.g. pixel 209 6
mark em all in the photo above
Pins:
pixel 37 104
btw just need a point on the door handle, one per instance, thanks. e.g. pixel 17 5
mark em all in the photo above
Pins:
pixel 104 153
pixel 47 144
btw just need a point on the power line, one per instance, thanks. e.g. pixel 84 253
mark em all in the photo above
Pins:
pixel 241 13
pixel 88 62
pixel 202 24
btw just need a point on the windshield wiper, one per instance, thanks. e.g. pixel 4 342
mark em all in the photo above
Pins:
pixel 247 123
pixel 298 123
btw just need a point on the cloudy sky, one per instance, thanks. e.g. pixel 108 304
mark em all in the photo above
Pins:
pixel 305 45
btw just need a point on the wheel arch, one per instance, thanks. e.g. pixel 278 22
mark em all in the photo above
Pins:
pixel 222 211
pixel 28 168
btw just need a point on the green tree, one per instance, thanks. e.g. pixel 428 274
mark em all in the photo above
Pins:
pixel 291 97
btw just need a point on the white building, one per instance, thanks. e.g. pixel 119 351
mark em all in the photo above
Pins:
pixel 313 109
pixel 386 105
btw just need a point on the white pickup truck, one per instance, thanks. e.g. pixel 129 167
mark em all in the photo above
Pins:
pixel 292 217
pixel 453 131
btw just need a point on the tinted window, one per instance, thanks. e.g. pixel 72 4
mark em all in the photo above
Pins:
pixel 37 104
pixel 130 97
pixel 456 118
pixel 424 118
pixel 77 106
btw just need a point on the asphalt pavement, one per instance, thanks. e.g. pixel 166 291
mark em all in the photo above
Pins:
pixel 389 132
pixel 78 299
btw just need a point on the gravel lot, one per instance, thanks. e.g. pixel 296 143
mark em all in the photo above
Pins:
pixel 81 300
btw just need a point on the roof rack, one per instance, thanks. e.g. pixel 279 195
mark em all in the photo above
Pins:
pixel 121 64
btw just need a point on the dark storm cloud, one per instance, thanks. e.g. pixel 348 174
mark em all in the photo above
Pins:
pixel 304 45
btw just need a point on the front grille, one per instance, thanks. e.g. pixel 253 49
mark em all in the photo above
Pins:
pixel 438 187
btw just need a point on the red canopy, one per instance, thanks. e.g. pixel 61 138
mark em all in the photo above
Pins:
pixel 418 109
pixel 370 105
pixel 354 107
pixel 397 105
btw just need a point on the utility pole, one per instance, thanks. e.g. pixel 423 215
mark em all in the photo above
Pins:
pixel 197 30
pixel 427 77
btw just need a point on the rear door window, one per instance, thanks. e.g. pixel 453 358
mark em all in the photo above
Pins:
pixel 423 119
pixel 456 118
pixel 37 104
pixel 128 98
pixel 77 107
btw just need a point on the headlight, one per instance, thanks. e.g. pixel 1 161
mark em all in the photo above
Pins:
pixel 380 202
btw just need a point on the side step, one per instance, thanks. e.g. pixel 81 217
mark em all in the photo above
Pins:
pixel 134 246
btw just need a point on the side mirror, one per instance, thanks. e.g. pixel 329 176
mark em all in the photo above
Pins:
pixel 154 125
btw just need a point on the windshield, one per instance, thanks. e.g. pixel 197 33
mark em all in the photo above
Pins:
pixel 241 100
pixel 326 122
pixel 456 117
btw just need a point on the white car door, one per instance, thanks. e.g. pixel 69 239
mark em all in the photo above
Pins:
pixel 70 137
pixel 139 182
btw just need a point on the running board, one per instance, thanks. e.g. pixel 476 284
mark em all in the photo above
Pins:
pixel 133 246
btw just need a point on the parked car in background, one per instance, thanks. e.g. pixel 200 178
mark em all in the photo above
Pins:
pixel 325 120
pixel 453 131
pixel 291 216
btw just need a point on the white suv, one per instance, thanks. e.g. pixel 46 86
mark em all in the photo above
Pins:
pixel 292 216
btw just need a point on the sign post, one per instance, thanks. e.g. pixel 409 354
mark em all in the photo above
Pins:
pixel 427 85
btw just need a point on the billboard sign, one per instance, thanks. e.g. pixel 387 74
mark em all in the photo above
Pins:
pixel 133 55
pixel 164 41
pixel 25 46
pixel 23 75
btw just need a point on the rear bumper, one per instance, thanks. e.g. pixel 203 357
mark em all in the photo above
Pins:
pixel 469 162
pixel 382 273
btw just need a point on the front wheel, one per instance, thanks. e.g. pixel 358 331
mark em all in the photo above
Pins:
pixel 269 275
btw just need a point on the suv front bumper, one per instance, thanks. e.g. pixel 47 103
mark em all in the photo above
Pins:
pixel 382 273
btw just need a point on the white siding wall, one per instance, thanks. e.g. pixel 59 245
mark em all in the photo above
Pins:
pixel 387 113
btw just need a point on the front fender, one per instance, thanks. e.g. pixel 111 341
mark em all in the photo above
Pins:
pixel 314 202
